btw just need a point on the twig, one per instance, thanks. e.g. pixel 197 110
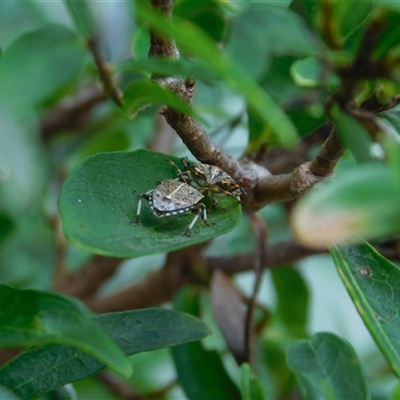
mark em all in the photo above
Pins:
pixel 260 233
pixel 328 156
pixel 72 113
pixel 187 266
pixel 85 283
pixel 104 71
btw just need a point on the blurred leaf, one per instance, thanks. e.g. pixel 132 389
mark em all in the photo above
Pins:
pixel 309 72
pixel 6 226
pixel 353 135
pixel 372 282
pixel 206 14
pixel 347 21
pixel 24 161
pixel 271 357
pixel 96 205
pixel 395 395
pixel 250 387
pixel 38 370
pixel 327 367
pixel 82 16
pixel 293 300
pixel 50 318
pixel 308 118
pixel 195 41
pixel 144 93
pixel 172 67
pixel 256 35
pixel 389 39
pixel 56 58
pixel 229 313
pixel 392 148
pixel 201 373
pixel 349 208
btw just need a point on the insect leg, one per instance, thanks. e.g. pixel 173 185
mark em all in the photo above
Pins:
pixel 189 228
pixel 139 207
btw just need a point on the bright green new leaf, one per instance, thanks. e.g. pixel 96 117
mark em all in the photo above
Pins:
pixel 327 367
pixel 97 204
pixel 373 283
pixel 56 57
pixel 250 386
pixel 31 318
pixel 361 203
pixel 309 72
pixel 39 370
pixel 194 41
pixel 140 94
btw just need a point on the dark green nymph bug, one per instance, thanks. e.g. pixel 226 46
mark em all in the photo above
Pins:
pixel 172 197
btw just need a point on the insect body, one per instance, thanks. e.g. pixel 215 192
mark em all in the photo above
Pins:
pixel 209 178
pixel 172 197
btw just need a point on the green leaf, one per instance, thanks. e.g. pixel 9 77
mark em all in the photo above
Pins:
pixel 206 14
pixel 349 208
pixel 293 300
pixel 96 205
pixel 6 226
pixel 172 67
pixel 353 135
pixel 201 373
pixel 39 370
pixel 389 17
pixel 82 16
pixel 51 67
pixel 143 93
pixel 30 317
pixel 250 387
pixel 327 367
pixel 310 72
pixel 256 35
pixel 195 41
pixel 271 361
pixel 373 283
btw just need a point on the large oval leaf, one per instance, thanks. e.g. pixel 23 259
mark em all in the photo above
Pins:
pixel 97 204
pixel 361 203
pixel 39 370
pixel 31 317
pixel 55 57
pixel 372 282
pixel 327 367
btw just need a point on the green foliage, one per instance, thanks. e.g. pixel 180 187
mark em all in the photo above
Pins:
pixel 39 370
pixel 327 367
pixel 97 204
pixel 49 318
pixel 334 212
pixel 267 74
pixel 372 282
pixel 201 372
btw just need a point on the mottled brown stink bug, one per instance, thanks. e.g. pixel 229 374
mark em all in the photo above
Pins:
pixel 209 178
pixel 172 197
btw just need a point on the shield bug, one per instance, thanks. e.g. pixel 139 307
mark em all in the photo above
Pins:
pixel 209 178
pixel 172 197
